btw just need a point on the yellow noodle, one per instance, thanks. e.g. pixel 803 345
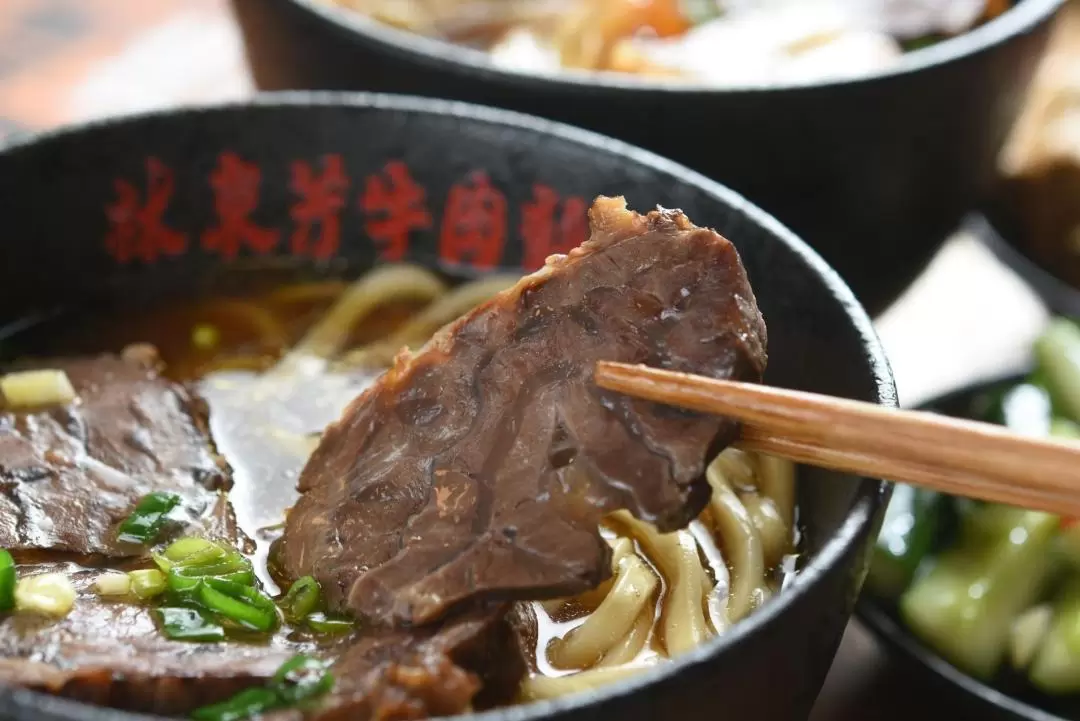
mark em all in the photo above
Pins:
pixel 714 596
pixel 538 687
pixel 383 285
pixel 775 535
pixel 633 591
pixel 270 332
pixel 620 549
pixel 776 479
pixel 423 325
pixel 740 541
pixel 323 290
pixel 676 555
pixel 739 468
pixel 628 649
pixel 252 363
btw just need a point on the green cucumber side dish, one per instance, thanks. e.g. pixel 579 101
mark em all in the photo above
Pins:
pixel 992 589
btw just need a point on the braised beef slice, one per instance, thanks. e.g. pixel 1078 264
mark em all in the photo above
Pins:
pixel 432 671
pixel 111 654
pixel 69 475
pixel 478 469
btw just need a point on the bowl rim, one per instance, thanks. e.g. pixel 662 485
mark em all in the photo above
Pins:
pixel 1060 296
pixel 440 54
pixel 896 636
pixel 870 495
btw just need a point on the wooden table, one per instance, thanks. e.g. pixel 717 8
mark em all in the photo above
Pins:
pixel 68 60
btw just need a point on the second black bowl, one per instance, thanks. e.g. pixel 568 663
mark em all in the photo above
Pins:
pixel 1000 234
pixel 874 172
pixel 977 698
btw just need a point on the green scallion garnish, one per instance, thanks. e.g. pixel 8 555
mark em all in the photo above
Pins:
pixel 299 679
pixel 147 583
pixel 188 624
pixel 243 705
pixel 7 581
pixel 320 622
pixel 145 522
pixel 194 551
pixel 184 580
pixel 244 605
pixel 302 599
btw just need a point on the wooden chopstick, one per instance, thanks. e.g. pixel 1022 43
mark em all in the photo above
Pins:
pixel 951 455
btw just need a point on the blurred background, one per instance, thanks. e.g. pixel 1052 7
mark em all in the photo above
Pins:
pixel 65 61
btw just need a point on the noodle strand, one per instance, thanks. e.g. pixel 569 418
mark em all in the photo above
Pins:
pixel 613 619
pixel 676 556
pixel 421 327
pixel 383 285
pixel 740 540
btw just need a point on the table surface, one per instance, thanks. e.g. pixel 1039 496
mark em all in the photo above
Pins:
pixel 967 317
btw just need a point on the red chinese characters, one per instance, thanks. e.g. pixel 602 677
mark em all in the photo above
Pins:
pixel 322 196
pixel 236 196
pixel 474 223
pixel 394 204
pixel 543 234
pixel 137 230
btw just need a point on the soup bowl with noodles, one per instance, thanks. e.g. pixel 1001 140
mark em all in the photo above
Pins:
pixel 277 255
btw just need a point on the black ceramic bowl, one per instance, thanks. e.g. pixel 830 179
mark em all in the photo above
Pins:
pixel 984 701
pixel 116 214
pixel 874 173
pixel 999 232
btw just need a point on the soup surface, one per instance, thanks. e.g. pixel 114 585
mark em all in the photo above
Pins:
pixel 721 42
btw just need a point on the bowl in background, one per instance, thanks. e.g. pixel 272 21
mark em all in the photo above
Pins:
pixel 1000 233
pixel 873 172
pixel 974 697
pixel 127 212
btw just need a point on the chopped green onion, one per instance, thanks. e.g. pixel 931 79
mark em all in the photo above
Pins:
pixel 243 705
pixel 36 389
pixel 143 525
pixel 50 594
pixel 302 599
pixel 194 551
pixel 241 604
pixel 113 583
pixel 7 581
pixel 323 623
pixel 147 583
pixel 184 580
pixel 299 679
pixel 188 624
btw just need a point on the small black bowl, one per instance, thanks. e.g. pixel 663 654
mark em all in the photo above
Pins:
pixel 123 213
pixel 980 699
pixel 998 232
pixel 874 172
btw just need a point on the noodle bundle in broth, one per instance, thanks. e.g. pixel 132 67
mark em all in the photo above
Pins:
pixel 671 592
